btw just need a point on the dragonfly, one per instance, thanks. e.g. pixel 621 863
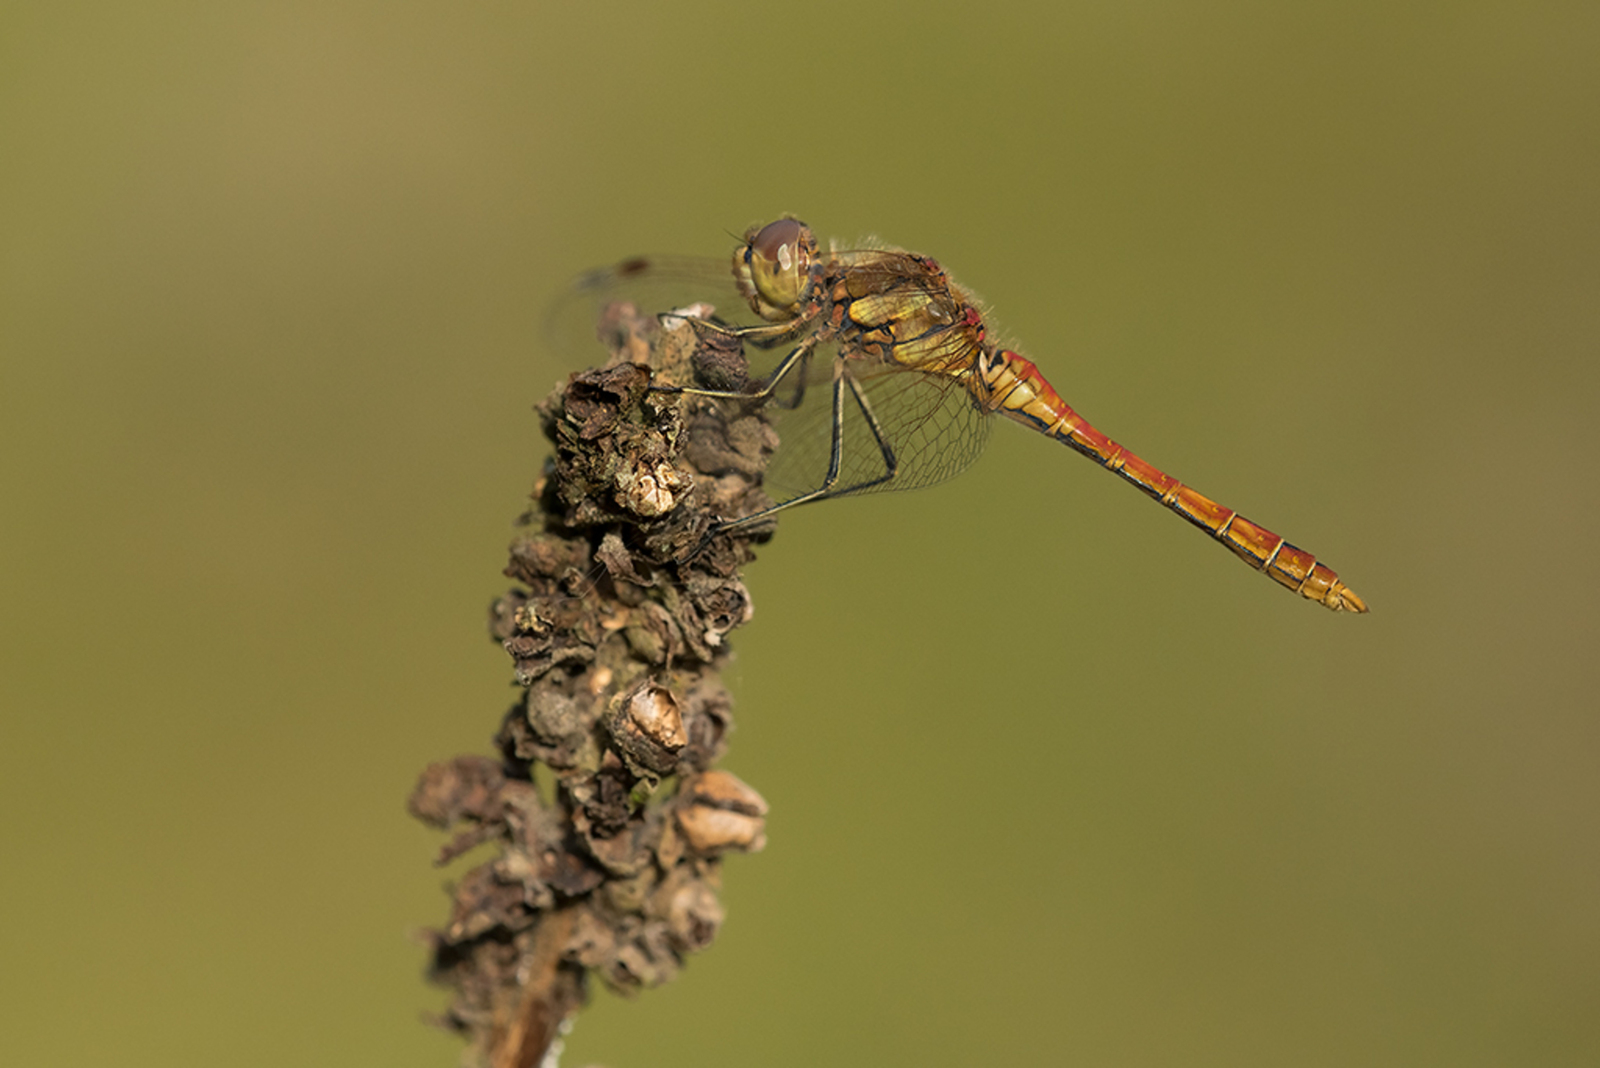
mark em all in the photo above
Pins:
pixel 884 376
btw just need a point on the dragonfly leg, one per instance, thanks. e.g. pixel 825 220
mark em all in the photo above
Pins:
pixel 842 380
pixel 765 335
pixel 891 465
pixel 799 356
pixel 793 400
pixel 835 459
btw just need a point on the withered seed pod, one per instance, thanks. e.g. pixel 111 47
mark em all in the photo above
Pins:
pixel 721 813
pixel 647 725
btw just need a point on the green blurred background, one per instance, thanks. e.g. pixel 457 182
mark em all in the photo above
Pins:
pixel 1053 779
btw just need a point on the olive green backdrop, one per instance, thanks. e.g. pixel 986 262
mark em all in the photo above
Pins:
pixel 1053 780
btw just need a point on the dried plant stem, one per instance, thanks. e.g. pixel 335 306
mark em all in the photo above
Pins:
pixel 549 995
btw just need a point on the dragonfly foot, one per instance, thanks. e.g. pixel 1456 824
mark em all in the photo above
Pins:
pixel 717 526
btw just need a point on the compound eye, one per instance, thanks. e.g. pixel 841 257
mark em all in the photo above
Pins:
pixel 779 257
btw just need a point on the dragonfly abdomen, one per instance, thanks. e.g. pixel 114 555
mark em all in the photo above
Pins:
pixel 1012 385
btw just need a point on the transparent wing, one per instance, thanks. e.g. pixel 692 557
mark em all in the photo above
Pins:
pixel 580 318
pixel 927 423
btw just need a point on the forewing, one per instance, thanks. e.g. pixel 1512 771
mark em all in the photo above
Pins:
pixel 580 319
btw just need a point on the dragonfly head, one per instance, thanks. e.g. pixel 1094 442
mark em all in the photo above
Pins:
pixel 775 268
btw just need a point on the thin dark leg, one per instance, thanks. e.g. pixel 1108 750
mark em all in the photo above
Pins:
pixel 800 355
pixel 800 378
pixel 891 465
pixel 842 379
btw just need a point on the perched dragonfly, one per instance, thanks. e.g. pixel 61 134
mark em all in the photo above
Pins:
pixel 911 377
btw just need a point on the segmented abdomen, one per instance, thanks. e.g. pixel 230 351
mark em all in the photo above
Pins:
pixel 1014 386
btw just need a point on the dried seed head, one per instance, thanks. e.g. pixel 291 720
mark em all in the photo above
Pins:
pixel 526 619
pixel 647 725
pixel 654 711
pixel 715 830
pixel 723 789
pixel 614 876
pixel 693 912
pixel 650 488
pixel 468 787
pixel 722 813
